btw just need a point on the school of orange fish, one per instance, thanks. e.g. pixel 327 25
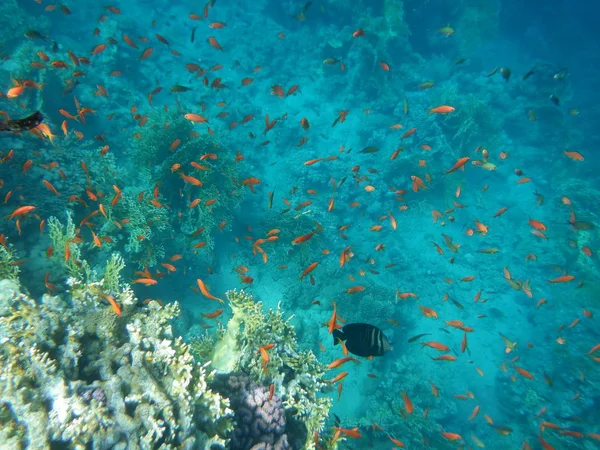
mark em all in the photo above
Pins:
pixel 22 217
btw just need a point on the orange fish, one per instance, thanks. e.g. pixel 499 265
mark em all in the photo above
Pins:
pixel 562 279
pixel 50 187
pixel 129 41
pixel 205 292
pixel 355 289
pixel 460 163
pixel 524 373
pixel 392 220
pixel 436 345
pixel 308 270
pixel 98 49
pixel 214 43
pixel 500 212
pixel 396 442
pixel 451 436
pixel 408 134
pixel 339 362
pixel 408 406
pixel 428 312
pixel 21 211
pixel 213 315
pixel 536 224
pixel 116 308
pixel 191 180
pixel 332 322
pixel 196 118
pixel 147 53
pixel 338 377
pixel 302 239
pixel 574 155
pixel 474 413
pixel 444 109
pixel 145 281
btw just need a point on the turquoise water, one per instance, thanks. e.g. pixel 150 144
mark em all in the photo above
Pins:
pixel 341 122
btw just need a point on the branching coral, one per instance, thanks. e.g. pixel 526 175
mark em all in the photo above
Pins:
pixel 112 278
pixel 202 346
pixel 219 195
pixel 472 123
pixel 168 155
pixel 8 269
pixel 67 248
pixel 144 230
pixel 162 129
pixel 297 376
pixel 76 374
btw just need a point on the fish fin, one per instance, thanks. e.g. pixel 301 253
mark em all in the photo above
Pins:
pixel 338 336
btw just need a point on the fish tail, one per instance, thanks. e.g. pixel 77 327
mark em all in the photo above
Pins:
pixel 338 336
pixel 24 124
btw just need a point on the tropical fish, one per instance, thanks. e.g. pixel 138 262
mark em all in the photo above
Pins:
pixel 27 123
pixel 362 339
pixel 180 88
pixel 444 109
pixel 370 149
pixel 418 336
pixel 34 34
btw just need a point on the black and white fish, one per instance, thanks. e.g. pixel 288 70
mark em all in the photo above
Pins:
pixel 27 123
pixel 362 339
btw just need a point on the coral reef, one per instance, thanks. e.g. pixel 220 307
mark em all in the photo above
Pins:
pixel 297 377
pixel 165 155
pixel 76 372
pixel 202 345
pixel 8 269
pixel 473 122
pixel 66 247
pixel 153 146
pixel 478 23
pixel 144 233
pixel 415 427
pixel 260 421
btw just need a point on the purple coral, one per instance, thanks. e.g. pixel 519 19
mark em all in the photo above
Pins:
pixel 260 422
pixel 92 392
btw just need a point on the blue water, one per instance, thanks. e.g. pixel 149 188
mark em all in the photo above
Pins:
pixel 477 68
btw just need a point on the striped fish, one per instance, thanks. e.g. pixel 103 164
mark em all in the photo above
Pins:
pixel 362 339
